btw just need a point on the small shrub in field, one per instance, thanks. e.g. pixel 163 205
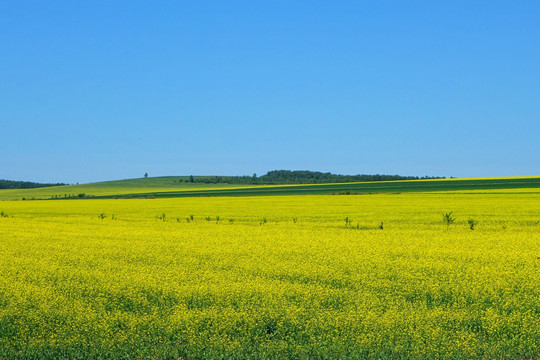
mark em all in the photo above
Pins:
pixel 102 216
pixel 191 217
pixel 348 222
pixel 162 217
pixel 381 227
pixel 3 214
pixel 294 220
pixel 448 219
pixel 263 221
pixel 472 223
pixel 231 221
pixel 208 218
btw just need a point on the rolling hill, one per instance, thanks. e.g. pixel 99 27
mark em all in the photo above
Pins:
pixel 174 186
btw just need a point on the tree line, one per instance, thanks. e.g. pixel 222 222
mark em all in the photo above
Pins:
pixel 10 184
pixel 277 177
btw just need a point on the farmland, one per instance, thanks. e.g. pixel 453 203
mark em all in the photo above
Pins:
pixel 266 277
pixel 169 186
pixel 111 188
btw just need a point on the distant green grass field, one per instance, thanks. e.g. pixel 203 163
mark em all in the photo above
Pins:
pixel 111 188
pixel 171 187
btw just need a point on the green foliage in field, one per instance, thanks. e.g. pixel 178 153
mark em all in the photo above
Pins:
pixel 76 284
pixel 448 219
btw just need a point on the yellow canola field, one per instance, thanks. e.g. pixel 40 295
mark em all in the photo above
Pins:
pixel 272 278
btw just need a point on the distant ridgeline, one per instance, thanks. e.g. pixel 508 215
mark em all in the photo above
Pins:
pixel 9 184
pixel 279 177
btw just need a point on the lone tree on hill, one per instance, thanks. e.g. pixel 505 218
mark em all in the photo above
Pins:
pixel 145 175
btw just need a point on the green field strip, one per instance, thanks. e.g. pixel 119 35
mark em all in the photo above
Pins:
pixel 167 187
pixel 352 188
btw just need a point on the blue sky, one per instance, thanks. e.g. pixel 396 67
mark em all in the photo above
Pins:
pixel 101 90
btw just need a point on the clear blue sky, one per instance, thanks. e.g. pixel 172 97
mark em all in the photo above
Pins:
pixel 99 90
